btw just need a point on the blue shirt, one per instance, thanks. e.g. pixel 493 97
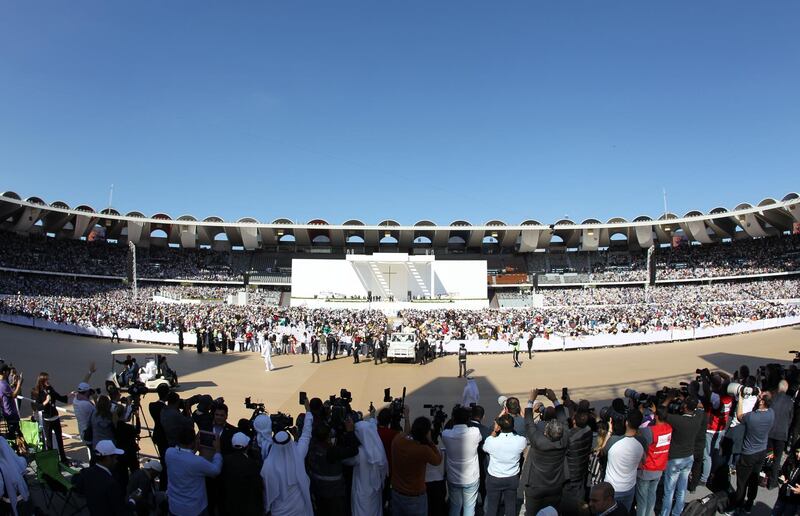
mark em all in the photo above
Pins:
pixel 186 472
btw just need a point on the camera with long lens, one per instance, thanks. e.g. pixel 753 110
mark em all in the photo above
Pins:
pixel 438 419
pixel 639 398
pixel 137 390
pixel 742 391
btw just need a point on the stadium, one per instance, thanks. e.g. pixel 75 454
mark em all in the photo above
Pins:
pixel 242 287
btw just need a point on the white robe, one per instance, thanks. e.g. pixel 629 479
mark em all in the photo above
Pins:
pixel 267 354
pixel 11 481
pixel 370 469
pixel 287 489
pixel 470 394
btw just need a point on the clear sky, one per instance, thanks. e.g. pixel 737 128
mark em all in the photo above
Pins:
pixel 440 110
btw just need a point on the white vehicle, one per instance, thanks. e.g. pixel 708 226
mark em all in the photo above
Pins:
pixel 151 374
pixel 402 346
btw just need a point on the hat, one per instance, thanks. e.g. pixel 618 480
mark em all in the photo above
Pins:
pixel 547 511
pixel 240 440
pixel 84 387
pixel 501 400
pixel 105 448
pixel 152 465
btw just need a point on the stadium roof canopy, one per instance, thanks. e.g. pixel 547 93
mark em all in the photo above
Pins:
pixel 769 217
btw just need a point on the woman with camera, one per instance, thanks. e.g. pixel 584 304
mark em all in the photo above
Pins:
pixel 44 400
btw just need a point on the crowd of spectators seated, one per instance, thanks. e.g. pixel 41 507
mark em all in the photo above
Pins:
pixel 576 312
pixel 741 257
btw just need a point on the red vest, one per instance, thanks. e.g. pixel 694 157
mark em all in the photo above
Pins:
pixel 658 451
pixel 718 418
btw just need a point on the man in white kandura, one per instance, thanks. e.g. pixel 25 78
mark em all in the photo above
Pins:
pixel 267 354
pixel 370 469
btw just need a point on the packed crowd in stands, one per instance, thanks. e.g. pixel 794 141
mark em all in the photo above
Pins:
pixel 546 455
pixel 745 257
pixel 674 294
pixel 674 307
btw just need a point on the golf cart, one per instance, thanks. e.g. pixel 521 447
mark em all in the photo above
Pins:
pixel 154 373
pixel 402 346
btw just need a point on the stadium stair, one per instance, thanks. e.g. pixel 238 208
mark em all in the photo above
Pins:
pixel 382 283
pixel 412 268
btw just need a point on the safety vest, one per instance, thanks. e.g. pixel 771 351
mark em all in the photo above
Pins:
pixel 658 451
pixel 718 418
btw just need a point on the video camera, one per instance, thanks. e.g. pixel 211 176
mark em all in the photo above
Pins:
pixel 338 409
pixel 796 358
pixel 396 406
pixel 257 408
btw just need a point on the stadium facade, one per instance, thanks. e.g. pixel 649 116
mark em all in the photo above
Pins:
pixel 769 217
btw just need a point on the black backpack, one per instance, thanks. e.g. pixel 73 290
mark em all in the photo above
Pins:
pixel 707 505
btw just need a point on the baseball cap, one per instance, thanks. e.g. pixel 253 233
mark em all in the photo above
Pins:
pixel 239 440
pixel 105 448
pixel 152 465
pixel 84 387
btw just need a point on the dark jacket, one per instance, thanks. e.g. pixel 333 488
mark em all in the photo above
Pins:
pixel 225 438
pixel 783 407
pixel 325 468
pixel 104 496
pixel 241 485
pixel 578 450
pixel 159 437
pixel 173 421
pixel 544 472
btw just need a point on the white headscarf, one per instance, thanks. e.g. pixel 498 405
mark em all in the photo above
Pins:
pixel 282 469
pixel 262 424
pixel 373 450
pixel 12 466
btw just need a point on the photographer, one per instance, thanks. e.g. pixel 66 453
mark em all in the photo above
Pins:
pixel 287 489
pixel 685 424
pixel 325 465
pixel 504 449
pixel 757 425
pixel 543 473
pixel 173 420
pixel 717 404
pixel 578 450
pixel 187 472
pixel 411 452
pixel 788 501
pixel 657 438
pixel 462 466
pixel 624 455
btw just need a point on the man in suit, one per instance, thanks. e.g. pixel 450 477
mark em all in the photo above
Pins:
pixel 222 428
pixel 104 495
pixel 601 501
pixel 241 480
pixel 173 420
pixel 159 437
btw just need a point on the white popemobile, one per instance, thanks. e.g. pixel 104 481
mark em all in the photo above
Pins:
pixel 402 346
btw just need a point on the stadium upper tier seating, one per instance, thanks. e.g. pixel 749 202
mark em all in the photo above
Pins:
pixel 738 258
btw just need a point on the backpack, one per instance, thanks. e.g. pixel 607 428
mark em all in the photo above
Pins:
pixel 707 505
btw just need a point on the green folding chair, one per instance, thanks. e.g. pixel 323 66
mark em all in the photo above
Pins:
pixel 32 435
pixel 50 472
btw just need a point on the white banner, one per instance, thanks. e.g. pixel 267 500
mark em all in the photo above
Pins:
pixel 554 343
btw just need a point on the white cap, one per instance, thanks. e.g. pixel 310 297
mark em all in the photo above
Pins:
pixel 106 448
pixel 84 387
pixel 153 465
pixel 501 400
pixel 240 440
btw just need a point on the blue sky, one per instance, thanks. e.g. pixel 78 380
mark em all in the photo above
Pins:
pixel 404 110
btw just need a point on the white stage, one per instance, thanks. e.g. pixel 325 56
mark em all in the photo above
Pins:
pixel 389 282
